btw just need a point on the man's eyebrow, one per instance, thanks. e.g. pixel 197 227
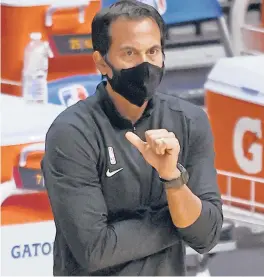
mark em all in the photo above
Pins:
pixel 156 46
pixel 129 47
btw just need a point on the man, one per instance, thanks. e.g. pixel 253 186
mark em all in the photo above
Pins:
pixel 130 172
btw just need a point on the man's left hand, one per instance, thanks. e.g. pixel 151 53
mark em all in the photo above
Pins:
pixel 161 150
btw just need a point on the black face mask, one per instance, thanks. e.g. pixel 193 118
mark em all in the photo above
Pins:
pixel 136 84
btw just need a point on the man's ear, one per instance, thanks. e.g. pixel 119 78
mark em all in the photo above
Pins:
pixel 100 63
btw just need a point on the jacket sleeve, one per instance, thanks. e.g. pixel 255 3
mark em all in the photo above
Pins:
pixel 203 234
pixel 71 178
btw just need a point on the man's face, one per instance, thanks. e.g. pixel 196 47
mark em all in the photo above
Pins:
pixel 134 42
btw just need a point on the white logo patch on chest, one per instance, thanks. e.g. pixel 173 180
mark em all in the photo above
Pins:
pixel 111 155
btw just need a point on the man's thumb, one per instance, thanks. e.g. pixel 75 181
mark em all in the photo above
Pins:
pixel 136 141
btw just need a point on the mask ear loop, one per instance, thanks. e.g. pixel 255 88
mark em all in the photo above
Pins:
pixel 108 63
pixel 103 76
pixel 163 63
pixel 163 58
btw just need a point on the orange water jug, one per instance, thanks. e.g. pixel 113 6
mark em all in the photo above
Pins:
pixel 66 25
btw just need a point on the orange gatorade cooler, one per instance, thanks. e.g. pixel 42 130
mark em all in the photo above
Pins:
pixel 66 25
pixel 27 227
pixel 235 103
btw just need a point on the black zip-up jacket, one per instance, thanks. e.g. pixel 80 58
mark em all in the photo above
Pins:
pixel 109 206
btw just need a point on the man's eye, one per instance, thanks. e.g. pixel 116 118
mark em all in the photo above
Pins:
pixel 129 52
pixel 153 51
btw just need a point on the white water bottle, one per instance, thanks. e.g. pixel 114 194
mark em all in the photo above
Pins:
pixel 35 70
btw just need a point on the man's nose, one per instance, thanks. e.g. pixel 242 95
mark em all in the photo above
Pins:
pixel 143 58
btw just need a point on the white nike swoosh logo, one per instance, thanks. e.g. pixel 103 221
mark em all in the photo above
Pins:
pixel 110 174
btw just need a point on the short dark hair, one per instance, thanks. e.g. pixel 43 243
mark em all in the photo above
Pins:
pixel 131 9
